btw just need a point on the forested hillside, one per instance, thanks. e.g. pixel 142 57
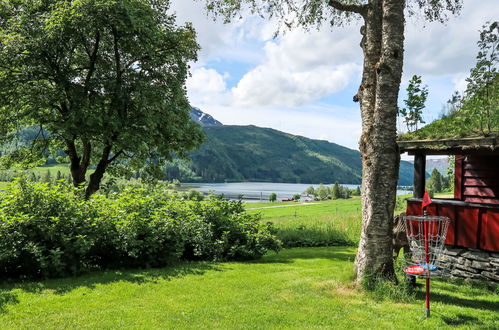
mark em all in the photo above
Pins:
pixel 250 153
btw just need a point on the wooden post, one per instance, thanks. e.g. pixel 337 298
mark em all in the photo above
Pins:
pixel 458 177
pixel 419 175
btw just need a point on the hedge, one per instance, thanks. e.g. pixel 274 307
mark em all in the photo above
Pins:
pixel 52 231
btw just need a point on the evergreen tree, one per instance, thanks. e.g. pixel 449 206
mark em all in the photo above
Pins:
pixel 450 171
pixel 272 197
pixel 48 177
pixel 335 192
pixel 435 181
pixel 345 192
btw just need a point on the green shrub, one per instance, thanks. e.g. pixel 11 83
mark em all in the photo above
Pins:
pixel 312 235
pixel 50 231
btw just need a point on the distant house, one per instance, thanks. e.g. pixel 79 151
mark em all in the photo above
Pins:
pixel 307 198
pixel 472 243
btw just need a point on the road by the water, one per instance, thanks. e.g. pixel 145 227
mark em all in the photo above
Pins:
pixel 272 207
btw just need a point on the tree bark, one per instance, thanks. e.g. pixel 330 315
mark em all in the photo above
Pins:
pixel 383 40
pixel 96 177
pixel 78 165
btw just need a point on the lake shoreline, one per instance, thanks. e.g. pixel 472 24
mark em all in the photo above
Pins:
pixel 259 191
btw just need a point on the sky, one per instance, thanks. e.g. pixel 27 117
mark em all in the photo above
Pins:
pixel 303 82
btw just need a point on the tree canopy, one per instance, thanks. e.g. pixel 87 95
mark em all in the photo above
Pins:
pixel 102 79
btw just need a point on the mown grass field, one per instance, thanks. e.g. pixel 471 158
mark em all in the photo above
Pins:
pixel 322 223
pixel 295 289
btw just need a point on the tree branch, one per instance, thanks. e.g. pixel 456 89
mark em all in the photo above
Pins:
pixel 359 9
pixel 119 153
pixel 93 59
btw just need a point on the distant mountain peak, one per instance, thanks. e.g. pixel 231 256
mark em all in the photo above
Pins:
pixel 203 119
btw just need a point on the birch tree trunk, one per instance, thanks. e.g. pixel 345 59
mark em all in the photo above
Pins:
pixel 383 46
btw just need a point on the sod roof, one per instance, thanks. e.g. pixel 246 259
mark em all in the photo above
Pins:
pixel 457 132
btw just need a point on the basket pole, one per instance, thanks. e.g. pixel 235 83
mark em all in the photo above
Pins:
pixel 427 265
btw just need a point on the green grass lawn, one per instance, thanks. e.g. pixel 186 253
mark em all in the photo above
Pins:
pixel 297 288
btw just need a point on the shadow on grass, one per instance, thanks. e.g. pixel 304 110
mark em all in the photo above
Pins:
pixel 461 319
pixel 448 297
pixel 7 297
pixel 91 280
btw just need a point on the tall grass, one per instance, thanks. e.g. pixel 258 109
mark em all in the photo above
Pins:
pixel 326 223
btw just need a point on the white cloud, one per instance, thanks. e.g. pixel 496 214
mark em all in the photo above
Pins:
pixel 459 81
pixel 301 67
pixel 234 41
pixel 204 80
pixel 269 85
pixel 435 49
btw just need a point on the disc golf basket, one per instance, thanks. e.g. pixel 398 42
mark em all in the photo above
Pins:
pixel 426 237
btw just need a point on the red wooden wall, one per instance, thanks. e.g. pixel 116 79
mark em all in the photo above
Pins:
pixel 477 179
pixel 471 226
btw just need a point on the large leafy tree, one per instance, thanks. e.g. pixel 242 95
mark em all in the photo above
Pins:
pixel 382 42
pixel 102 79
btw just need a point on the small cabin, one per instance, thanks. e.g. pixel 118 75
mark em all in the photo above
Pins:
pixel 306 198
pixel 472 242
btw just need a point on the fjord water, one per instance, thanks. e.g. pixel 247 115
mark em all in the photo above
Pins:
pixel 256 191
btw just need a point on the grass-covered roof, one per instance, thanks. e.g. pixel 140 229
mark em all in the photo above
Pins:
pixel 460 130
pixel 460 124
pixel 474 124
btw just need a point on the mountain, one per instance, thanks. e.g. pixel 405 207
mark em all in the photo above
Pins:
pixel 251 153
pixel 203 119
pixel 441 164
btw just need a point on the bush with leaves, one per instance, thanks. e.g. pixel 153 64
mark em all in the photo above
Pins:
pixel 52 231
